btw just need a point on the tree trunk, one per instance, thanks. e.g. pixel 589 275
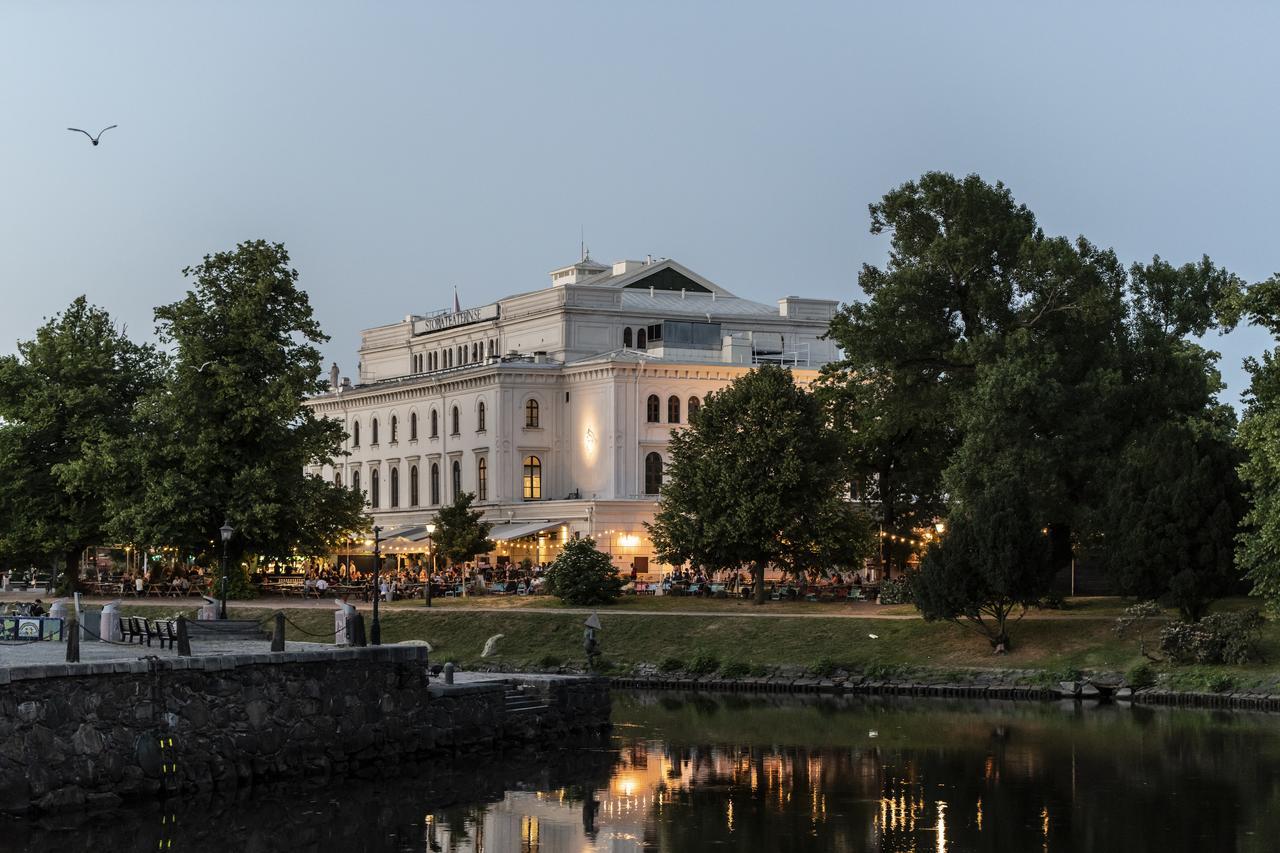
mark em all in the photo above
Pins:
pixel 888 516
pixel 757 573
pixel 70 571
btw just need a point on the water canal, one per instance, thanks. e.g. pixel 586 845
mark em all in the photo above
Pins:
pixel 687 773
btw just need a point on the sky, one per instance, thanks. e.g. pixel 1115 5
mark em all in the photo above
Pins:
pixel 402 149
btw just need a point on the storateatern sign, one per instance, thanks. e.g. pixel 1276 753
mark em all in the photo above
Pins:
pixel 427 325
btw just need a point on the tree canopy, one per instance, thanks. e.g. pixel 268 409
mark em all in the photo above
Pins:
pixel 461 533
pixel 756 480
pixel 67 433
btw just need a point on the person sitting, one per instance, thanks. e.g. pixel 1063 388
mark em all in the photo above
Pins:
pixel 37 608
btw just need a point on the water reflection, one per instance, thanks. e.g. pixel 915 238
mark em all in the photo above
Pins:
pixel 696 773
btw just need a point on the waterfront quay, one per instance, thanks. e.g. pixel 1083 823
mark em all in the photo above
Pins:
pixel 129 723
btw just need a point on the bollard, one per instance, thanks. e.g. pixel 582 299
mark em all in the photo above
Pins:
pixel 184 639
pixel 277 636
pixel 356 622
pixel 448 673
pixel 73 641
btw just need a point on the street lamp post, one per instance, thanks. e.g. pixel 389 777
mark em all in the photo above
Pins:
pixel 375 630
pixel 226 530
pixel 431 560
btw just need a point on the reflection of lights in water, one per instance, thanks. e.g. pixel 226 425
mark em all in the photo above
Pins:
pixel 729 814
pixel 942 827
pixel 979 814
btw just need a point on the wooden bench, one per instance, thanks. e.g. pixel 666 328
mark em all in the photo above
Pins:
pixel 226 629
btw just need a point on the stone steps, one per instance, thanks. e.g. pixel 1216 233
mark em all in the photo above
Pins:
pixel 517 702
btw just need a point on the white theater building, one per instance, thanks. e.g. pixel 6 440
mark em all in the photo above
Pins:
pixel 554 406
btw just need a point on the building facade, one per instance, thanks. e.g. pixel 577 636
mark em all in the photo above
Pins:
pixel 554 407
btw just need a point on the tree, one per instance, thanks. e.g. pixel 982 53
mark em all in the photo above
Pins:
pixel 756 480
pixel 986 349
pixel 231 436
pixel 1172 516
pixel 996 558
pixel 461 533
pixel 583 575
pixel 67 404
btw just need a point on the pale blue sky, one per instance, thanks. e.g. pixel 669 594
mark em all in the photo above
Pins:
pixel 399 149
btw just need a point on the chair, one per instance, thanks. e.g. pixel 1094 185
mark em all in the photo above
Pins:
pixel 130 630
pixel 167 632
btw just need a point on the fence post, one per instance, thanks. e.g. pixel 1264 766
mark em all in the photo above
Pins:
pixel 277 636
pixel 184 639
pixel 73 640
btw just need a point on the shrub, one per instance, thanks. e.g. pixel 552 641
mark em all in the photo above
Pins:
pixel 1220 683
pixel 1053 601
pixel 582 575
pixel 1136 621
pixel 704 663
pixel 734 669
pixel 1141 676
pixel 897 590
pixel 550 661
pixel 1230 638
pixel 671 664
pixel 824 667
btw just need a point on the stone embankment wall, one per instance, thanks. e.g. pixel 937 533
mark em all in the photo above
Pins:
pixel 102 733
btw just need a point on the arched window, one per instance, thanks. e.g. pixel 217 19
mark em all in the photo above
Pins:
pixel 695 405
pixel 373 432
pixel 653 409
pixel 373 488
pixel 337 479
pixel 641 340
pixel 652 474
pixel 454 421
pixel 395 428
pixel 435 424
pixel 482 479
pixel 480 417
pixel 626 337
pixel 355 434
pixel 531 414
pixel 395 487
pixel 413 426
pixel 532 478
pixel 413 485
pixel 457 479
pixel 355 482
pixel 435 484
pixel 673 409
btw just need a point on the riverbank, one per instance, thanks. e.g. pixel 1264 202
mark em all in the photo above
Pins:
pixel 885 646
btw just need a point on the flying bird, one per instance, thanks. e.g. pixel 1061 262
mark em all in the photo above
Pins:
pixel 92 138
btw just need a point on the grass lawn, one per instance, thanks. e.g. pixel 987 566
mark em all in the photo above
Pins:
pixel 1053 642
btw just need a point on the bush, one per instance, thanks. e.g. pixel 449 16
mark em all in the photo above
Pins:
pixel 582 575
pixel 897 590
pixel 1230 638
pixel 734 669
pixel 1141 676
pixel 824 667
pixel 704 663
pixel 1053 601
pixel 550 661
pixel 671 664
pixel 1220 683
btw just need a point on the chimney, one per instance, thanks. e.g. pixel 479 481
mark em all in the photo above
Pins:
pixel 333 377
pixel 624 267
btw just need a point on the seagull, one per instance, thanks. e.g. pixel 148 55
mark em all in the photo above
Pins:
pixel 92 138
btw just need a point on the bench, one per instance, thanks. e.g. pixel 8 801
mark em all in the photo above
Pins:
pixel 226 629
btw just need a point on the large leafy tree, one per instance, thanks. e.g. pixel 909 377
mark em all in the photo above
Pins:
pixel 986 349
pixel 67 429
pixel 231 434
pixel 756 481
pixel 461 532
pixel 1259 440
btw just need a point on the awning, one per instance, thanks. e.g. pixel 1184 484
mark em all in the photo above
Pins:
pixel 518 530
pixel 409 532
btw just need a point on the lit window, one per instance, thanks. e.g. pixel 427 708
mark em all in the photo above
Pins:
pixel 532 478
